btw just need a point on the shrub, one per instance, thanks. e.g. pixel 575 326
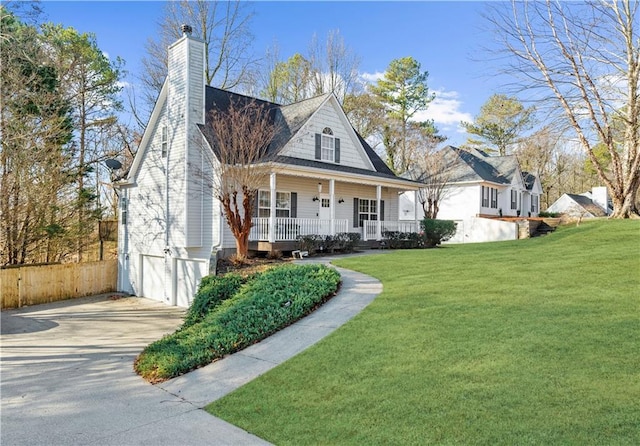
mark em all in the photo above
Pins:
pixel 343 241
pixel 310 243
pixel 212 291
pixel 437 231
pixel 403 240
pixel 267 302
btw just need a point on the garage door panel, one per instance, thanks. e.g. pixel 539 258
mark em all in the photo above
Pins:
pixel 153 277
pixel 188 276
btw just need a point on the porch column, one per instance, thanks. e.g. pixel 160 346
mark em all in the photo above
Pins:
pixel 272 208
pixel 379 222
pixel 332 207
pixel 415 210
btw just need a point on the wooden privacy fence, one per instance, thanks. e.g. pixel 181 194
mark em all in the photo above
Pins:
pixel 32 285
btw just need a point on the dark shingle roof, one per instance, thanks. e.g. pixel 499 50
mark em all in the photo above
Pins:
pixel 290 119
pixel 474 165
pixel 529 180
pixel 588 204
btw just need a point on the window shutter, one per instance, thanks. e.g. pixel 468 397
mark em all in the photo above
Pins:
pixel 381 210
pixel 337 150
pixel 318 146
pixel 256 203
pixel 294 205
pixel 356 204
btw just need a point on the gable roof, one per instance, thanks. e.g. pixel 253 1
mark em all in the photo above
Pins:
pixel 289 120
pixel 588 205
pixel 476 166
pixel 529 180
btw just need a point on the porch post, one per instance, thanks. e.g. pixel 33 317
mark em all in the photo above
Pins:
pixel 379 222
pixel 415 210
pixel 332 207
pixel 272 208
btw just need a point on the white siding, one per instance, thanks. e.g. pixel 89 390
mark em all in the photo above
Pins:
pixel 172 220
pixel 461 202
pixel 351 152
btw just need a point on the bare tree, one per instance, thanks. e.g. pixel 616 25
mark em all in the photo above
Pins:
pixel 583 59
pixel 537 154
pixel 224 28
pixel 335 66
pixel 241 136
pixel 434 171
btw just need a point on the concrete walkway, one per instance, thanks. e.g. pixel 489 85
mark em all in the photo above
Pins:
pixel 67 376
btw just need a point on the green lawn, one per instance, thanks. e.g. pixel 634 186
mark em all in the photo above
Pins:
pixel 528 342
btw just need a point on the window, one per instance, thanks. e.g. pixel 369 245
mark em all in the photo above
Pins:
pixel 367 210
pixel 485 197
pixel 494 198
pixel 514 199
pixel 327 145
pixel 283 204
pixel 534 204
pixel 164 142
pixel 489 197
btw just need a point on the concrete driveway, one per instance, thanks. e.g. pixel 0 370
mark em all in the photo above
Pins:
pixel 67 371
pixel 67 378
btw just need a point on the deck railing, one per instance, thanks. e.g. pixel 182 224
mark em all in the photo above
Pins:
pixel 290 228
pixel 373 230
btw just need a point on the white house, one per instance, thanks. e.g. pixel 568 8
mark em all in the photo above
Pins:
pixel 325 180
pixel 480 187
pixel 594 203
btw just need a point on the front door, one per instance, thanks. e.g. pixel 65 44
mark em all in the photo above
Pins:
pixel 324 214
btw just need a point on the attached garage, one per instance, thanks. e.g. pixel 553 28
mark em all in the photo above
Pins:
pixel 187 275
pixel 152 278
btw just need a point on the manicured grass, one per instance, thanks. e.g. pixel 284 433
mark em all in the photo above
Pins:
pixel 528 342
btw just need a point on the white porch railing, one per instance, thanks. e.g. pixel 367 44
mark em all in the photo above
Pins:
pixel 370 229
pixel 291 228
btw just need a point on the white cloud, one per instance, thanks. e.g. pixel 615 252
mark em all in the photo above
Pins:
pixel 372 77
pixel 445 112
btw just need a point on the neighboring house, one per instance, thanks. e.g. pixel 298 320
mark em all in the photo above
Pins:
pixel 480 186
pixel 326 179
pixel 594 203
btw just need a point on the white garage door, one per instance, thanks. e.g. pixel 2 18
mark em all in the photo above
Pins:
pixel 188 275
pixel 153 278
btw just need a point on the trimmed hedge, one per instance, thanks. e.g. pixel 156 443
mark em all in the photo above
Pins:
pixel 266 303
pixel 342 241
pixel 213 290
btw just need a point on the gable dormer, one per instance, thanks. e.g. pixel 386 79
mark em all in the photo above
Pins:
pixel 326 135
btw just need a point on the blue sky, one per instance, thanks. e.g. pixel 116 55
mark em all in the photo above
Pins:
pixel 445 37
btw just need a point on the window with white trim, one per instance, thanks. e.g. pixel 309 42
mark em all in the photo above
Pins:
pixel 164 141
pixel 283 204
pixel 327 145
pixel 494 198
pixel 485 197
pixel 514 199
pixel 367 210
pixel 489 197
pixel 535 203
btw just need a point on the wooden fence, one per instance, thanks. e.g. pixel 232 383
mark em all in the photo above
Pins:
pixel 32 285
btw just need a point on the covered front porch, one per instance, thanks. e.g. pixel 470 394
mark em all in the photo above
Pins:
pixel 326 203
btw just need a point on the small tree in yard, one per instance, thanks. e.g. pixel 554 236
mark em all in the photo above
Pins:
pixel 437 231
pixel 435 173
pixel 241 136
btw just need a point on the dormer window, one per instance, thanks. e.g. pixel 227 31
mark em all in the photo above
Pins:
pixel 327 146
